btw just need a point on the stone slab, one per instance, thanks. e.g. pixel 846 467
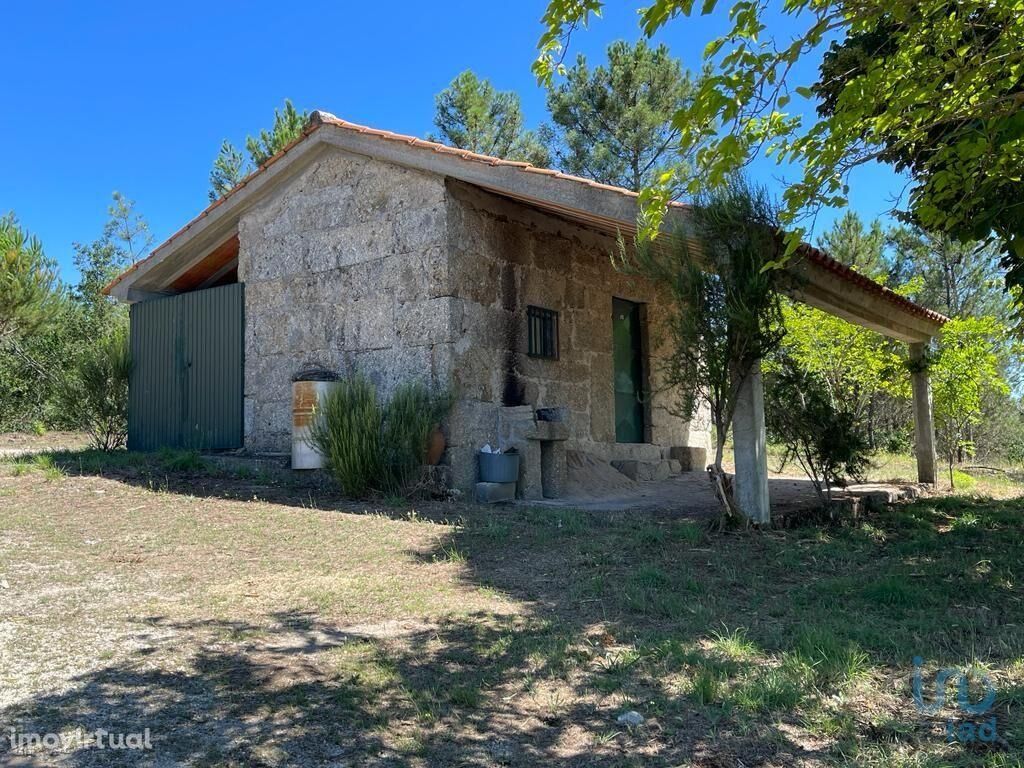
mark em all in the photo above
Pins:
pixel 495 493
pixel 690 458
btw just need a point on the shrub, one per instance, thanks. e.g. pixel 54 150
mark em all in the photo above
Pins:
pixel 409 418
pixel 817 429
pixel 370 448
pixel 100 394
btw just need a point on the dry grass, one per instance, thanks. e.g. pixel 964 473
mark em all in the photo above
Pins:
pixel 245 623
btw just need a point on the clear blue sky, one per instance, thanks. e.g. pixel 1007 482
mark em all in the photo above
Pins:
pixel 138 96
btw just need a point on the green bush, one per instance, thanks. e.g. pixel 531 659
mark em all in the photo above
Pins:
pixel 818 429
pixel 100 394
pixel 375 448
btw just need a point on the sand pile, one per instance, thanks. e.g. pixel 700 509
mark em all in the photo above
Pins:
pixel 590 477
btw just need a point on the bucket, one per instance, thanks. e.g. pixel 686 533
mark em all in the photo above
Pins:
pixel 498 467
pixel 305 397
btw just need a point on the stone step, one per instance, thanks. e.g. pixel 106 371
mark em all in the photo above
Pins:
pixel 493 493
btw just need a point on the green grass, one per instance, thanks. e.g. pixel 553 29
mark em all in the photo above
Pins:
pixel 786 641
pixel 820 624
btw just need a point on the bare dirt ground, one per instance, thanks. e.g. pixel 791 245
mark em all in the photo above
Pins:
pixel 21 443
pixel 246 623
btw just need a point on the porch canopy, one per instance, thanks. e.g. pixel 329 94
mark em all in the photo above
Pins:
pixel 205 253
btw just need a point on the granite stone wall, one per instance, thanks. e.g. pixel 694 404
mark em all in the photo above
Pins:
pixel 359 265
pixel 506 256
pixel 346 268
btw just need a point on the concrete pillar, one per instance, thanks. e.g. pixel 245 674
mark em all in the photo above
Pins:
pixel 750 486
pixel 924 425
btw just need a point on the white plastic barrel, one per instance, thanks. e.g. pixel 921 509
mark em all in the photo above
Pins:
pixel 305 396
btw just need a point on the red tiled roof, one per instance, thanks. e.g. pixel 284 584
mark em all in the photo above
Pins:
pixel 318 119
pixel 843 272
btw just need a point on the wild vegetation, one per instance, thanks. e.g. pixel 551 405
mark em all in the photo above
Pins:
pixel 64 362
pixel 932 88
pixel 275 625
pixel 818 430
pixel 374 447
pixel 726 310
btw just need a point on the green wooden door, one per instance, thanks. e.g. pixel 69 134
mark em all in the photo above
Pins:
pixel 185 389
pixel 627 352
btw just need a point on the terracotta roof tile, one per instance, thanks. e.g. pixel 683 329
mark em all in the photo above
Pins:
pixel 319 119
pixel 840 270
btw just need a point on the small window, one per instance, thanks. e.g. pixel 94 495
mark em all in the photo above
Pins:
pixel 542 331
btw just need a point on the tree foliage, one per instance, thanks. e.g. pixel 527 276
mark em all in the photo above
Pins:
pixel 935 88
pixel 42 372
pixel 858 246
pixel 818 428
pixel 951 277
pixel 230 166
pixel 963 371
pixel 29 289
pixel 726 310
pixel 471 114
pixel 854 363
pixel 613 123
pixel 99 392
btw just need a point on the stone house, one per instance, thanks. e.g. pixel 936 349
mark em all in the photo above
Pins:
pixel 362 250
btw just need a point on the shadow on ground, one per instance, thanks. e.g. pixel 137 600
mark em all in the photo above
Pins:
pixel 309 694
pixel 688 495
pixel 756 649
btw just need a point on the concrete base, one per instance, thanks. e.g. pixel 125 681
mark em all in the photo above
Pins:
pixel 494 493
pixel 541 445
pixel 554 469
pixel 690 459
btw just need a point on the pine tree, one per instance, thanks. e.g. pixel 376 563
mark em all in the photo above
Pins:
pixel 613 123
pixel 230 166
pixel 471 114
pixel 29 289
pixel 857 246
pixel 228 170
pixel 288 126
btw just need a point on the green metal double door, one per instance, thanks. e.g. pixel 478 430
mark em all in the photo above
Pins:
pixel 185 389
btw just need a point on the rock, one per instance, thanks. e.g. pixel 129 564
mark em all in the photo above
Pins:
pixel 691 459
pixel 493 493
pixel 501 752
pixel 631 719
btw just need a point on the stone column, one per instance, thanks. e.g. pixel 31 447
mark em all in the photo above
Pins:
pixel 750 486
pixel 924 425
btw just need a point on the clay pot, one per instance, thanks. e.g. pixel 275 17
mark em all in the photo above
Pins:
pixel 435 446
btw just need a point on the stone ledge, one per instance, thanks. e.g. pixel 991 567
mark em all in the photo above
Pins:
pixel 495 493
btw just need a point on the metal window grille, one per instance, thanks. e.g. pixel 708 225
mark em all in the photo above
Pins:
pixel 542 326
